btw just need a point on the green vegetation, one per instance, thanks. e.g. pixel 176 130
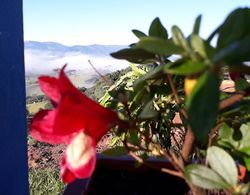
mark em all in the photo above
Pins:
pixel 214 124
pixel 35 107
pixel 45 181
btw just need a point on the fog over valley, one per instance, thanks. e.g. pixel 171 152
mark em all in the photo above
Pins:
pixel 46 58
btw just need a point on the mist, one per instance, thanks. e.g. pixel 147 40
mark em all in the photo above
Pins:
pixel 42 62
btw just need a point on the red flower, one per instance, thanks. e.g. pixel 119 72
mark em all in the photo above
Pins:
pixel 76 120
pixel 236 75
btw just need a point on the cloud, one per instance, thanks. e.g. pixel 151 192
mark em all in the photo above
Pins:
pixel 42 62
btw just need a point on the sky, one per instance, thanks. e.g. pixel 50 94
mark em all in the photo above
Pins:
pixel 84 22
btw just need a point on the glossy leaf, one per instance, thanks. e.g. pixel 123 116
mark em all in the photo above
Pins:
pixel 235 27
pixel 241 84
pixel 156 73
pixel 138 98
pixel 158 46
pixel 202 105
pixel 221 162
pixel 204 177
pixel 235 52
pixel 138 33
pixel 197 25
pixel 226 138
pixel 137 71
pixel 134 137
pixel 136 55
pixel 202 47
pixel 148 111
pixel 157 29
pixel 179 39
pixel 185 68
pixel 247 162
pixel 245 142
pixel 104 99
pixel 117 151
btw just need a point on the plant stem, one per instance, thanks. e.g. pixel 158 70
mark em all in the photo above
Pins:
pixel 234 99
pixel 140 160
pixel 109 82
pixel 189 136
pixel 231 100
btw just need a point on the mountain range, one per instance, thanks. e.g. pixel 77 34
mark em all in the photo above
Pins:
pixel 44 57
pixel 58 48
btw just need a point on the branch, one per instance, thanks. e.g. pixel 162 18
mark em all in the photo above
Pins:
pixel 140 160
pixel 109 83
pixel 189 137
pixel 231 100
pixel 234 99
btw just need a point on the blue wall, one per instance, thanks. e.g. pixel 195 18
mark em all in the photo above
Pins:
pixel 13 133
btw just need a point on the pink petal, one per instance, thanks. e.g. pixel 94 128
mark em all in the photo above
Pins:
pixel 80 158
pixel 42 128
pixel 66 175
pixel 67 88
pixel 73 116
pixel 49 85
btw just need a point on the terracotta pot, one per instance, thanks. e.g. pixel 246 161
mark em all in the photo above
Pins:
pixel 119 176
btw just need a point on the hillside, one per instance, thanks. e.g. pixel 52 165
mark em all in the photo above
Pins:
pixel 95 92
pixel 60 49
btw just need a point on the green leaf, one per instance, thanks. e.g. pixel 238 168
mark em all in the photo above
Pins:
pixel 247 162
pixel 241 84
pixel 179 39
pixel 157 29
pixel 137 71
pixel 138 99
pixel 245 142
pixel 138 33
pixel 114 140
pixel 204 177
pixel 235 52
pixel 221 162
pixel 134 55
pixel 134 137
pixel 154 74
pixel 242 189
pixel 197 24
pixel 203 48
pixel 117 151
pixel 184 68
pixel 104 99
pixel 202 105
pixel 235 27
pixel 148 112
pixel 226 138
pixel 158 46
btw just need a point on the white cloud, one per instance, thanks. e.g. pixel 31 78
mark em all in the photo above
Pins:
pixel 40 62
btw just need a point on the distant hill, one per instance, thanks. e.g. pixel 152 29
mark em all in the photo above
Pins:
pixel 57 48
pixel 44 57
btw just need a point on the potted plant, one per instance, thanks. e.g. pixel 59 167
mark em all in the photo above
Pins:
pixel 170 107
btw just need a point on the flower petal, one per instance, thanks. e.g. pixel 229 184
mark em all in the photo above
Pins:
pixel 66 175
pixel 50 86
pixel 42 128
pixel 72 116
pixel 80 158
pixel 67 88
